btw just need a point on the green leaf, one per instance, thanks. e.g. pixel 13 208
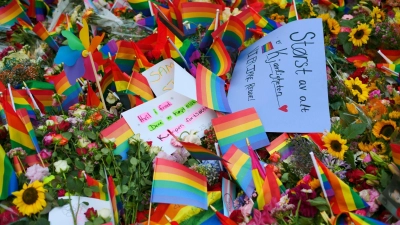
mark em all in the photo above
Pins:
pixel 88 223
pixel 348 47
pixel 61 202
pixel 71 184
pixel 336 105
pixel 67 135
pixel 349 158
pixel 134 161
pixel 79 164
pixel 105 151
pixel 343 37
pixel 95 188
pixel 108 159
pixel 98 221
pixel 46 209
pixel 347 23
pixel 125 189
pixel 48 196
pixel 320 203
pixel 85 203
pixel 42 221
pixel 353 130
pixel 90 135
pixel 88 192
pixel 285 177
pixel 384 178
pixel 97 156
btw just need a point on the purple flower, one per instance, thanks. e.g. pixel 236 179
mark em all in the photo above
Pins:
pixel 37 172
pixel 47 140
pixel 45 154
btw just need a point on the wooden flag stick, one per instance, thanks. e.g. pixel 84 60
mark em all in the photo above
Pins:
pixel 11 96
pixel 97 82
pixel 295 9
pixel 385 57
pixel 391 71
pixel 130 79
pixel 217 20
pixel 180 54
pixel 32 98
pixel 169 219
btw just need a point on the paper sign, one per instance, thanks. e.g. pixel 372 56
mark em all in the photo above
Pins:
pixel 161 76
pixel 175 110
pixel 63 216
pixel 283 76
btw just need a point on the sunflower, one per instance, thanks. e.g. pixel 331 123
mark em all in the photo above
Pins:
pixel 351 108
pixel 394 115
pixel 333 25
pixel 357 88
pixel 380 147
pixel 324 16
pixel 335 144
pixel 30 200
pixel 365 147
pixel 360 35
pixel 384 129
pixel 377 14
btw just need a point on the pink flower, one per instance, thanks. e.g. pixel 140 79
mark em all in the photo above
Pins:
pixel 48 140
pixel 92 146
pixel 347 17
pixel 361 212
pixel 45 154
pixel 176 143
pixel 37 172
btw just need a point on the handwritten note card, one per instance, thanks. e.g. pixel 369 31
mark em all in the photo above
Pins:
pixel 63 215
pixel 283 76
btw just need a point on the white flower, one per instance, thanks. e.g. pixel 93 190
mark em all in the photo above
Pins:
pixel 236 12
pixel 154 150
pixel 49 122
pixel 41 127
pixel 104 213
pixel 111 98
pixel 335 119
pixel 135 138
pixel 192 138
pixel 186 24
pixel 78 113
pixel 61 166
pixel 83 142
pixel 306 190
pixel 226 14
pixel 108 140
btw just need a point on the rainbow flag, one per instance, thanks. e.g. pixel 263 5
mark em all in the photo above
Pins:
pixel 210 90
pixel 41 9
pixel 121 132
pixel 246 16
pixel 111 47
pixel 121 80
pixel 113 196
pixel 92 100
pixel 267 25
pixel 19 136
pixel 292 13
pixel 142 63
pixel 8 177
pixel 2 115
pixel 258 173
pixel 24 24
pixel 129 100
pixel 280 184
pixel 23 115
pixel 64 87
pixel 393 55
pixel 17 166
pixel 138 85
pixel 11 12
pixel 232 32
pixel 206 217
pixel 395 153
pixel 107 84
pixel 236 127
pixel 328 3
pixel 21 101
pixel 272 186
pixel 141 6
pixel 125 58
pixel 148 22
pixel 175 14
pixel 282 146
pixel 267 47
pixel 393 67
pixel 238 4
pixel 348 218
pixel 96 194
pixel 220 60
pixel 44 99
pixel 207 39
pixel 197 151
pixel 341 197
pixel 199 13
pixel 39 85
pixel 239 166
pixel 41 31
pixel 228 190
pixel 174 183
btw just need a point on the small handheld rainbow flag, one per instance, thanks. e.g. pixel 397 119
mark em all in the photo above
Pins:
pixel 120 132
pixel 220 60
pixel 267 47
pixel 11 12
pixel 92 100
pixel 348 218
pixel 246 16
pixel 41 9
pixel 113 196
pixel 23 115
pixel 141 6
pixel 210 90
pixel 96 194
pixel 125 58
pixel 138 85
pixel 197 151
pixel 282 146
pixel 197 13
pixel 232 32
pixel 395 153
pixel 176 184
pixel 41 31
pixel 8 177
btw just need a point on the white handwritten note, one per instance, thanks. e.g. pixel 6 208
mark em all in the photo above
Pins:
pixel 161 76
pixel 283 76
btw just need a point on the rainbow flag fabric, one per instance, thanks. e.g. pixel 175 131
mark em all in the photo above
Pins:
pixel 197 13
pixel 246 16
pixel 220 60
pixel 148 22
pixel 129 100
pixel 100 194
pixel 39 85
pixel 8 177
pixel 125 58
pixel 23 115
pixel 113 196
pixel 207 39
pixel 348 218
pixel 292 13
pixel 138 85
pixel 258 173
pixel 11 12
pixel 228 195
pixel 107 84
pixel 24 24
pixel 267 25
pixel 41 9
pixel 210 90
pixel 92 100
pixel 2 115
pixel 232 32
pixel 239 166
pixel 176 184
pixel 342 198
pixel 111 47
pixel 175 14
pixel 206 217
pixel 44 99
pixel 393 55
pixel 19 136
pixel 282 146
pixel 395 153
pixel 121 132
pixel 121 80
pixel 236 127
pixel 21 101
pixel 41 31
pixel 141 6
pixel 197 151
pixel 267 47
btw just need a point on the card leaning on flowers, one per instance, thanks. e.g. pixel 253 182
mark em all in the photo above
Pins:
pixel 199 112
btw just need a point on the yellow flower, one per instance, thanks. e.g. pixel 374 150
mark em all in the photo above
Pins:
pixel 372 23
pixel 396 100
pixel 360 35
pixel 365 147
pixel 357 88
pixel 324 16
pixel 282 3
pixel 336 145
pixel 308 2
pixel 30 200
pixel 377 14
pixel 277 18
pixel 384 129
pixel 394 115
pixel 334 26
pixel 351 108
pixel 380 147
pixel 314 184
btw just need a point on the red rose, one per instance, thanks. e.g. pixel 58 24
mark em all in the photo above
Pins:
pixel 81 151
pixel 64 126
pixel 61 193
pixel 57 138
pixel 371 169
pixel 355 176
pixel 18 46
pixel 275 157
pixel 63 141
pixel 91 214
pixel 237 216
pixel 313 173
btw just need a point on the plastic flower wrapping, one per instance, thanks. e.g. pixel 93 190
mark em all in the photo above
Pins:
pixel 199 112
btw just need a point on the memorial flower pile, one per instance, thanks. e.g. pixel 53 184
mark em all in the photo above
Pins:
pixel 164 112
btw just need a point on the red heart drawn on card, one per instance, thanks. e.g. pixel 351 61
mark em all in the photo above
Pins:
pixel 283 108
